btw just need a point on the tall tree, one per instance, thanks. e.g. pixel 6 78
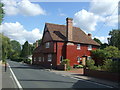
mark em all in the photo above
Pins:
pixel 26 50
pixel 114 40
pixel 1 12
pixel 5 46
pixel 16 50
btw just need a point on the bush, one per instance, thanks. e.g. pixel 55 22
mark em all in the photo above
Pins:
pixel 111 66
pixel 90 64
pixel 67 62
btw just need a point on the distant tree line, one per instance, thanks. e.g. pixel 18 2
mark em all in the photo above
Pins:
pixel 13 50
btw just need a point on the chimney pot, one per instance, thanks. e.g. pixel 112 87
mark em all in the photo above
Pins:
pixel 90 35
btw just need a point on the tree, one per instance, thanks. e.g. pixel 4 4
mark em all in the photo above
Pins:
pixel 16 49
pixel 104 45
pixel 1 12
pixel 97 40
pixel 5 46
pixel 114 40
pixel 113 52
pixel 100 55
pixel 26 50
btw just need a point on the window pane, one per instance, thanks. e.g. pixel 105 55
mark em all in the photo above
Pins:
pixel 47 45
pixel 78 46
pixel 89 47
pixel 49 57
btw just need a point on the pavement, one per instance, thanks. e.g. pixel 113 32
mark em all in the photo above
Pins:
pixel 28 78
pixel 91 79
pixel 7 80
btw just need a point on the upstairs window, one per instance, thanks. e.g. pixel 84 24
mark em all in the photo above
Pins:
pixel 49 57
pixel 89 47
pixel 47 45
pixel 78 46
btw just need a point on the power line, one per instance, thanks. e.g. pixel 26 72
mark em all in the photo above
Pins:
pixel 105 21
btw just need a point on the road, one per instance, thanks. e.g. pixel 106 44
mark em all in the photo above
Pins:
pixel 34 77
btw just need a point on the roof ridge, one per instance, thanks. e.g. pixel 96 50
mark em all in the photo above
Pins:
pixel 60 25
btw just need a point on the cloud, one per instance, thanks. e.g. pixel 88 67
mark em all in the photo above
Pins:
pixel 86 20
pixel 103 39
pixel 102 11
pixel 104 7
pixel 24 7
pixel 16 31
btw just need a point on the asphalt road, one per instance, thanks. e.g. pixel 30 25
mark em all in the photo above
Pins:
pixel 36 77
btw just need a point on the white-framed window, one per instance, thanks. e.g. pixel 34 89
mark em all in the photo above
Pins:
pixel 39 59
pixel 78 46
pixel 34 58
pixel 43 59
pixel 47 44
pixel 49 57
pixel 89 47
pixel 79 59
pixel 89 58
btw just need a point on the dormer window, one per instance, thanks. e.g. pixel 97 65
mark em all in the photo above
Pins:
pixel 89 47
pixel 78 46
pixel 47 45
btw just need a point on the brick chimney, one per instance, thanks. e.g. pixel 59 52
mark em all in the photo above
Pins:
pixel 69 27
pixel 90 35
pixel 36 43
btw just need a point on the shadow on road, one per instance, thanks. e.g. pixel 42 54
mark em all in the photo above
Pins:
pixel 26 66
pixel 44 80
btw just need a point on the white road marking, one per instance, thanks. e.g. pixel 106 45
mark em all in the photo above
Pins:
pixel 17 82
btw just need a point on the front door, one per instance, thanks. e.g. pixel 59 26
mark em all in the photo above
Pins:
pixel 84 61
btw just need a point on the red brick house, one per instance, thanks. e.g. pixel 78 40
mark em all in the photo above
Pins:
pixel 63 42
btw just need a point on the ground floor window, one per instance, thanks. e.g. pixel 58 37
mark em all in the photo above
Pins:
pixel 89 58
pixel 34 58
pixel 49 57
pixel 79 60
pixel 39 59
pixel 43 59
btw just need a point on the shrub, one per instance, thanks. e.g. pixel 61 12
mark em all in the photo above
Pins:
pixel 67 62
pixel 90 64
pixel 111 66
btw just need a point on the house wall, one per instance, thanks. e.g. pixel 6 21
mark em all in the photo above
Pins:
pixel 58 49
pixel 70 52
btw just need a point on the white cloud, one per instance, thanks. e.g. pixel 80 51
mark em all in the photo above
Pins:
pixel 104 7
pixel 103 39
pixel 24 7
pixel 16 31
pixel 111 20
pixel 86 20
pixel 101 11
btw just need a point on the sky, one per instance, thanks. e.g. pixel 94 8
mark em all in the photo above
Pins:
pixel 25 20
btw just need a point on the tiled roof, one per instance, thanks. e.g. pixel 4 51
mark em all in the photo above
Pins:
pixel 58 33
